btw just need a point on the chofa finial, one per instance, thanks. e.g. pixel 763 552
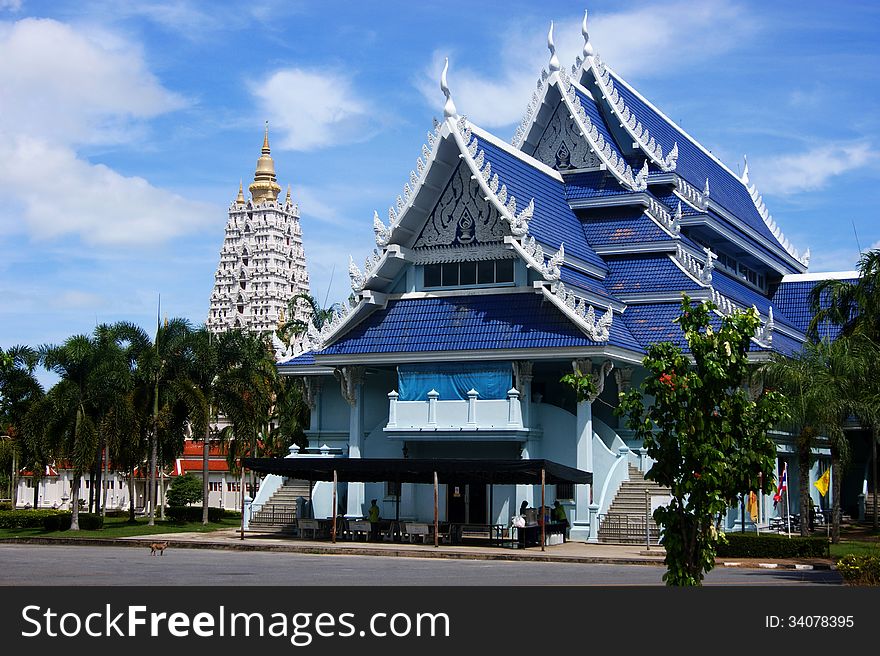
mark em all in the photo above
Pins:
pixel 745 175
pixel 449 110
pixel 588 47
pixel 554 60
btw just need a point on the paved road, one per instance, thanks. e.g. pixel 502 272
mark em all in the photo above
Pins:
pixel 74 565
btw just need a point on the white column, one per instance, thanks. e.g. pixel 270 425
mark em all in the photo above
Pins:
pixel 514 411
pixel 392 408
pixel 472 407
pixel 433 395
pixel 351 379
pixel 580 524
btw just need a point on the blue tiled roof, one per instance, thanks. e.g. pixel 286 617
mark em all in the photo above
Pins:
pixel 781 344
pixel 579 279
pixel 653 322
pixel 695 166
pixel 593 184
pixel 598 120
pixel 553 222
pixel 747 297
pixel 648 273
pixel 671 201
pixel 302 359
pixel 624 227
pixel 460 323
pixel 793 299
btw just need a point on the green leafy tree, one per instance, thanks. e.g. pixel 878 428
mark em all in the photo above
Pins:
pixel 706 434
pixel 855 308
pixel 185 490
pixel 292 327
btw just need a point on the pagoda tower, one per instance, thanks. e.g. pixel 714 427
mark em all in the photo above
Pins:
pixel 262 262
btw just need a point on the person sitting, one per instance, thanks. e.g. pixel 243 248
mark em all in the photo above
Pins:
pixel 560 517
pixel 373 517
pixel 522 508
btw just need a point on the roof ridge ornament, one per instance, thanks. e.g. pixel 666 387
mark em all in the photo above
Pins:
pixel 588 47
pixel 628 119
pixel 745 173
pixel 584 315
pixel 449 110
pixel 554 60
pixel 772 225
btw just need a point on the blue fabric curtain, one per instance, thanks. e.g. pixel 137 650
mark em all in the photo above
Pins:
pixel 453 380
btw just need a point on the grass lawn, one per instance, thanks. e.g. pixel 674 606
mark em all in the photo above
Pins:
pixel 118 527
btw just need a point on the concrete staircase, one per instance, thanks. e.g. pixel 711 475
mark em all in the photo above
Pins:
pixel 278 515
pixel 624 522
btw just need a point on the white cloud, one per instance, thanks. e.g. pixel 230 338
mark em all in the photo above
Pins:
pixel 313 109
pixel 74 87
pixel 64 88
pixel 810 170
pixel 60 194
pixel 11 5
pixel 634 43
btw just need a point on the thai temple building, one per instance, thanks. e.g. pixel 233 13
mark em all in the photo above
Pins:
pixel 262 261
pixel 500 267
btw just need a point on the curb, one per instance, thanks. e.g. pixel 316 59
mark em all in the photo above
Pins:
pixel 787 566
pixel 336 551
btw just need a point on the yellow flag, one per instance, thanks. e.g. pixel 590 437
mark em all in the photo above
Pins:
pixel 753 506
pixel 823 482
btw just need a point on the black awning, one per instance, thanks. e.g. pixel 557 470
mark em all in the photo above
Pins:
pixel 420 470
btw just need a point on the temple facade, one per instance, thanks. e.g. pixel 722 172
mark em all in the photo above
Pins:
pixel 262 261
pixel 503 265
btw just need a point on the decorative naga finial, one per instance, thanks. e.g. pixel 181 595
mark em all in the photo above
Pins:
pixel 588 47
pixel 706 188
pixel 449 110
pixel 554 60
pixel 745 175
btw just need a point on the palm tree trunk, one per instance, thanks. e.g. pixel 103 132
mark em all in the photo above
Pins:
pixel 205 455
pixel 106 479
pixel 74 502
pixel 804 472
pixel 99 480
pixel 154 456
pixel 131 501
pixel 875 435
pixel 36 490
pixel 835 490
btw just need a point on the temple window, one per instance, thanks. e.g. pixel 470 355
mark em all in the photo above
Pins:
pixel 465 274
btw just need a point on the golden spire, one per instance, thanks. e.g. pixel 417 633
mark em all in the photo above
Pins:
pixel 240 200
pixel 287 200
pixel 264 187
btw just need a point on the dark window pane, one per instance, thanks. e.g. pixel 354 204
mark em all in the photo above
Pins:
pixel 504 271
pixel 468 272
pixel 432 275
pixel 450 274
pixel 486 272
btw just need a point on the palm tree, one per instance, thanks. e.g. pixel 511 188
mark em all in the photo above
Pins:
pixel 293 327
pixel 93 373
pixel 161 364
pixel 19 391
pixel 854 307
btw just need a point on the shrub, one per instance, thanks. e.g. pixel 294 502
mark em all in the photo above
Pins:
pixel 184 490
pixel 750 545
pixel 194 514
pixel 5 505
pixel 59 521
pixel 860 570
pixel 26 518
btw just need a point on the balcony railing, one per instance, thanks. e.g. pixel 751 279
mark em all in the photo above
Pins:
pixel 459 414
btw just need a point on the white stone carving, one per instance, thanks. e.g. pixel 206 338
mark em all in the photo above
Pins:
pixel 461 215
pixel 533 253
pixel 585 367
pixel 702 272
pixel 771 224
pixel 658 212
pixel 691 194
pixel 764 332
pixel 562 146
pixel 449 110
pixel 554 60
pixel 584 315
pixel 640 134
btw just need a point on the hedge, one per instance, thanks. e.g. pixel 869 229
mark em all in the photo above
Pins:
pixel 194 514
pixel 750 545
pixel 5 505
pixel 61 522
pixel 860 570
pixel 26 518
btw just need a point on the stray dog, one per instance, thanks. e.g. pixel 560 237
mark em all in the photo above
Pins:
pixel 158 546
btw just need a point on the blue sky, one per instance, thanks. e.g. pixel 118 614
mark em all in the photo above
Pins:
pixel 126 127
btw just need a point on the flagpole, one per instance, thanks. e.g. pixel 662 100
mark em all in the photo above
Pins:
pixel 787 502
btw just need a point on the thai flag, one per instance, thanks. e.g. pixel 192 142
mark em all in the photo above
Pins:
pixel 783 485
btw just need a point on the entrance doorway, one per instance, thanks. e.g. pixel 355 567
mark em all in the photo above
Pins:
pixel 466 504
